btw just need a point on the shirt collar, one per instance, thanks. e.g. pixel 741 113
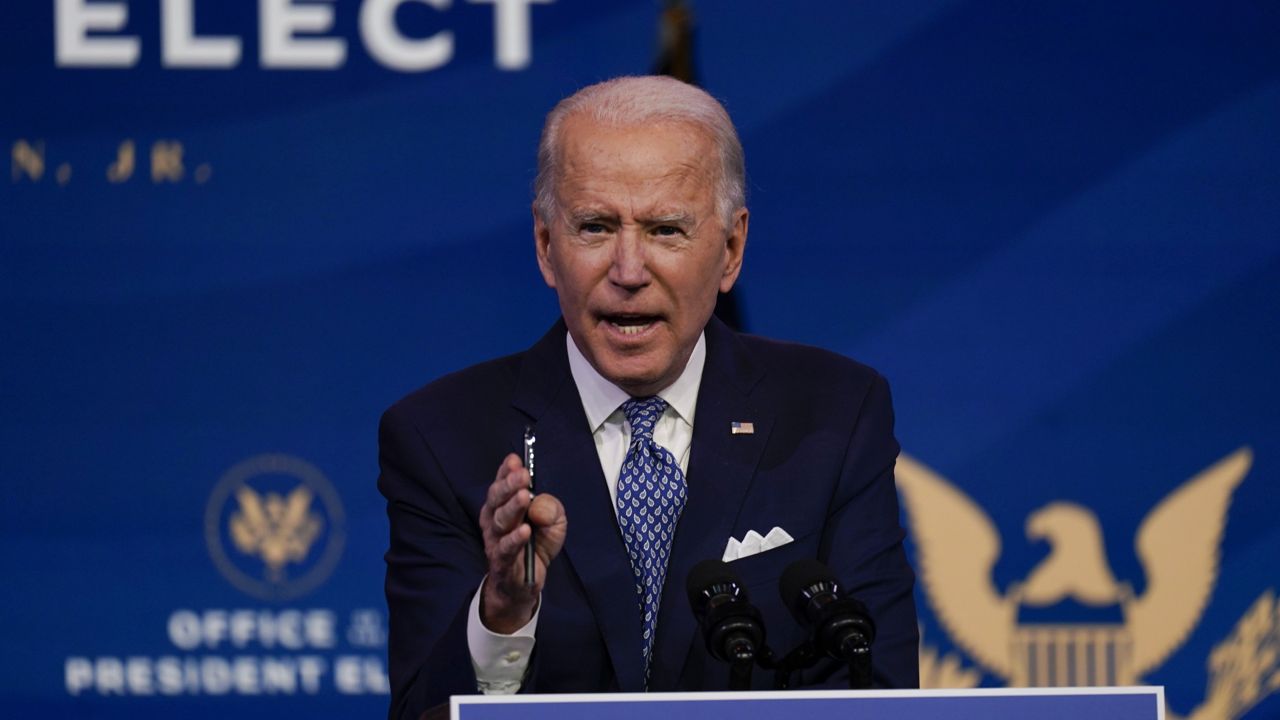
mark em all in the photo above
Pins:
pixel 600 398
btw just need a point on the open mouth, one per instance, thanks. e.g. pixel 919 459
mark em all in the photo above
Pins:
pixel 631 324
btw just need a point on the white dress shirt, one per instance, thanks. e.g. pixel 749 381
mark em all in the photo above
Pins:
pixel 500 660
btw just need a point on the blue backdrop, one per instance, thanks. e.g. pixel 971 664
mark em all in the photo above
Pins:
pixel 1055 227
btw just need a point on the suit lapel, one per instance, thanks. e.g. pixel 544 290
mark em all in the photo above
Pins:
pixel 721 466
pixel 569 468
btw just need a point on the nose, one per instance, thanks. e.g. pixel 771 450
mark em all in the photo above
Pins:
pixel 629 266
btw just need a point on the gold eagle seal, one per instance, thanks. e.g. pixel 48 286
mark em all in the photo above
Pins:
pixel 274 526
pixel 1179 545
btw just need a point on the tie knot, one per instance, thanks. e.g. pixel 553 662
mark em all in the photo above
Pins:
pixel 642 414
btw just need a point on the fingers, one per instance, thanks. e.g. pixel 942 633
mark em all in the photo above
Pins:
pixel 508 603
pixel 510 515
pixel 510 480
pixel 509 544
pixel 507 498
pixel 502 519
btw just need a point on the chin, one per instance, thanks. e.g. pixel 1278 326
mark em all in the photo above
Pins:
pixel 635 383
pixel 637 380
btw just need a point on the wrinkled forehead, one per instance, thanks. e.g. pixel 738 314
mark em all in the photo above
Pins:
pixel 591 150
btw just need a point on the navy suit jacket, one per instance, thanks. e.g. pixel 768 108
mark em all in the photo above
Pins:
pixel 819 464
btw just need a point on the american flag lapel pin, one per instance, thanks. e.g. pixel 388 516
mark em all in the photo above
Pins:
pixel 742 428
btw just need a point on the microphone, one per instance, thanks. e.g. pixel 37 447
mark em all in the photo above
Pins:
pixel 731 625
pixel 839 625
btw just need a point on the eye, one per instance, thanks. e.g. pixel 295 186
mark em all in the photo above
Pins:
pixel 592 228
pixel 667 231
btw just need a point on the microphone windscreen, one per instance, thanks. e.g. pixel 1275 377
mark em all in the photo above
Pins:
pixel 799 575
pixel 704 575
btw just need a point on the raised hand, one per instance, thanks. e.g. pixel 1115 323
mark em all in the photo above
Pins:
pixel 507 603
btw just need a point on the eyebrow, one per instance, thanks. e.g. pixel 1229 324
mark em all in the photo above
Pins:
pixel 577 217
pixel 675 218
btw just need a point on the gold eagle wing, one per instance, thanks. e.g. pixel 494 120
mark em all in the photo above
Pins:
pixel 249 526
pixel 298 505
pixel 957 545
pixel 1179 544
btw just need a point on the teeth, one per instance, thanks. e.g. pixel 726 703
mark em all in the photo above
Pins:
pixel 631 329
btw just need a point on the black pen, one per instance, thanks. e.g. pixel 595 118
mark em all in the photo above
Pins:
pixel 529 440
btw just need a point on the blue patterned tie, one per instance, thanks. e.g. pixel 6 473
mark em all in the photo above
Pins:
pixel 651 494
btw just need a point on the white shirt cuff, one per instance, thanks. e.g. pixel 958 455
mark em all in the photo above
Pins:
pixel 499 660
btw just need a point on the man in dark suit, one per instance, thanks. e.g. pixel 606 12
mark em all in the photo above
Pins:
pixel 663 439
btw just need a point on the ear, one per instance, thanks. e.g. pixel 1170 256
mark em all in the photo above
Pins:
pixel 542 248
pixel 735 246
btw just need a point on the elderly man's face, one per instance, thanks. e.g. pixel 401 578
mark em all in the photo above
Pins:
pixel 637 250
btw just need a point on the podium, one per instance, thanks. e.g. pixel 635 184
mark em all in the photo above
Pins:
pixel 1127 703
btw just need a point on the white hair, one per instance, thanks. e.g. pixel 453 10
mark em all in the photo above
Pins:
pixel 638 100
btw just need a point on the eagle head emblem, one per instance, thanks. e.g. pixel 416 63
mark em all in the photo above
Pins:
pixel 278 529
pixel 1179 545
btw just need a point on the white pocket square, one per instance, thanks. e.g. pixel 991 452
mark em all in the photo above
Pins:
pixel 752 543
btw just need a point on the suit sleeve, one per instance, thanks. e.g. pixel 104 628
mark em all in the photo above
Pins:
pixel 434 564
pixel 862 544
